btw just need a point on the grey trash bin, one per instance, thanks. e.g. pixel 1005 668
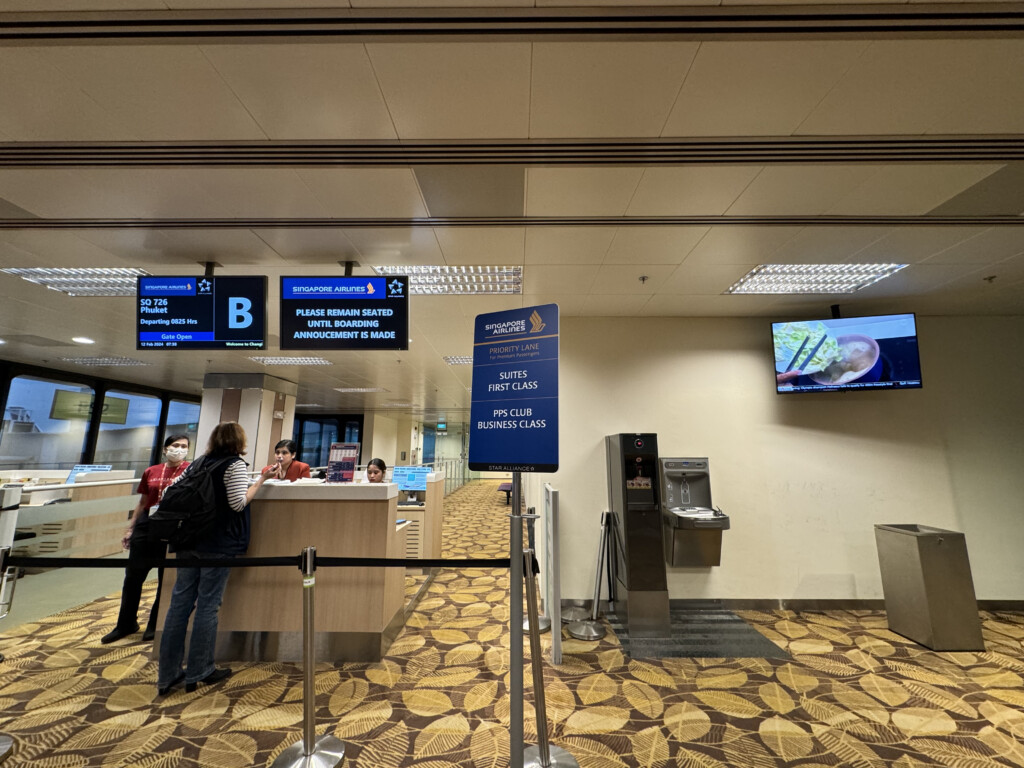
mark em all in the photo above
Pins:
pixel 929 592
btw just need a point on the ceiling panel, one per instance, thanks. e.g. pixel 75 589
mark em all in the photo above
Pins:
pixel 396 245
pixel 741 245
pixel 568 305
pixel 614 306
pixel 558 278
pixel 653 245
pixel 707 190
pixel 485 246
pixel 624 279
pixel 678 305
pixel 605 89
pixel 567 245
pixel 799 189
pixel 308 91
pixel 41 103
pixel 826 245
pixel 580 191
pixel 990 246
pixel 926 86
pixel 910 190
pixel 156 92
pixel 703 279
pixel 369 192
pixel 912 244
pixel 309 246
pixel 758 88
pixel 455 90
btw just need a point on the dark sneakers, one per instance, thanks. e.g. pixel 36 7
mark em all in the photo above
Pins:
pixel 214 677
pixel 117 633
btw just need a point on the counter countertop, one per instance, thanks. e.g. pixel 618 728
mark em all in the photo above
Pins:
pixel 327 492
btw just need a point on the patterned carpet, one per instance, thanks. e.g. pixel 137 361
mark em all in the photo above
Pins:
pixel 852 693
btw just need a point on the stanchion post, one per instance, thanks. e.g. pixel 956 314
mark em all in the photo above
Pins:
pixel 515 592
pixel 543 755
pixel 6 742
pixel 327 751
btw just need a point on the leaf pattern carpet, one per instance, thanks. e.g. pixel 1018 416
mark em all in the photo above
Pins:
pixel 852 693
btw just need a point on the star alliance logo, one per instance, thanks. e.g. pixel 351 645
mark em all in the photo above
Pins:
pixel 204 285
pixel 395 288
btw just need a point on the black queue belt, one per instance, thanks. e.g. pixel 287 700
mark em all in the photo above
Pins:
pixel 294 561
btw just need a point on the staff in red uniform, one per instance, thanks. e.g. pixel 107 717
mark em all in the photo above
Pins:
pixel 287 467
pixel 135 540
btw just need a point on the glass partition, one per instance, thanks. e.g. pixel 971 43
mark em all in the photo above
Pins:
pixel 183 419
pixel 45 424
pixel 128 427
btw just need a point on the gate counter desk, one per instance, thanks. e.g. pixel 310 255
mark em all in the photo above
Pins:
pixel 358 611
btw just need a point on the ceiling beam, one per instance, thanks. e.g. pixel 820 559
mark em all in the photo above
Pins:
pixel 838 21
pixel 589 152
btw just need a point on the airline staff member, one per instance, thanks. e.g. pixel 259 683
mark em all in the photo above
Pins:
pixel 286 467
pixel 375 471
pixel 151 488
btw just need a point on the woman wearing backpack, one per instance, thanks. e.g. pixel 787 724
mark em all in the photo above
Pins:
pixel 201 589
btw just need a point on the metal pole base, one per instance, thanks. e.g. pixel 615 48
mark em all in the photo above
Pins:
pixel 328 752
pixel 543 624
pixel 559 758
pixel 575 613
pixel 6 746
pixel 587 630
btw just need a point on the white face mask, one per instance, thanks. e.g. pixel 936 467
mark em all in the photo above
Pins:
pixel 176 454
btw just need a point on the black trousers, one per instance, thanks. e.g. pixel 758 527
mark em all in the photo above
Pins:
pixel 134 575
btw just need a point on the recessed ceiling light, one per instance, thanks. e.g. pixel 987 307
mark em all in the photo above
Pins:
pixel 103 362
pixel 2 341
pixel 440 279
pixel 812 278
pixel 91 281
pixel 360 389
pixel 458 359
pixel 82 340
pixel 290 360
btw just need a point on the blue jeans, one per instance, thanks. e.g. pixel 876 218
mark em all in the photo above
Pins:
pixel 201 590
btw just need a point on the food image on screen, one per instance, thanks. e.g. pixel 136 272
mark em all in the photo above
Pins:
pixel 877 352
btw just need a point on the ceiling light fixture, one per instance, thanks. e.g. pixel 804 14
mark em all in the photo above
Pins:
pixel 360 389
pixel 90 281
pixel 458 359
pixel 82 340
pixel 104 362
pixel 812 278
pixel 439 279
pixel 262 360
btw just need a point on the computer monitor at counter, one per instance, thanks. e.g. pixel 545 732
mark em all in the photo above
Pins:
pixel 410 479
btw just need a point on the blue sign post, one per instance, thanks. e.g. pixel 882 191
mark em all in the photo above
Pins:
pixel 514 413
pixel 514 428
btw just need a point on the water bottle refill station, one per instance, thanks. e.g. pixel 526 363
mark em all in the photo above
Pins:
pixel 693 528
pixel 642 587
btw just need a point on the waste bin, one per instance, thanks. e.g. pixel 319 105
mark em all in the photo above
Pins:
pixel 929 592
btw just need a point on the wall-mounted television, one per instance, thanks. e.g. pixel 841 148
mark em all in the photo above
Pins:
pixel 847 354
pixel 201 313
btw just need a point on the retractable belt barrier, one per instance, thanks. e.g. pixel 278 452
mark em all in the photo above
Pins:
pixel 326 750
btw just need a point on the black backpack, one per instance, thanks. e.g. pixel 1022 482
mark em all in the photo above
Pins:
pixel 188 511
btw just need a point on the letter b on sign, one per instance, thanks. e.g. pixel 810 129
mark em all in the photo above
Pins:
pixel 239 315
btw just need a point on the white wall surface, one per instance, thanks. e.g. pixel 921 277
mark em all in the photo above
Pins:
pixel 803 477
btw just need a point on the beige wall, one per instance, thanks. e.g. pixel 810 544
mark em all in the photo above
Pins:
pixel 803 477
pixel 381 438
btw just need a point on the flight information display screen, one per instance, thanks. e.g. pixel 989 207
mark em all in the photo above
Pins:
pixel 201 313
pixel 344 312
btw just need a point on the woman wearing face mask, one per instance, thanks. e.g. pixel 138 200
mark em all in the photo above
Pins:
pixel 376 469
pixel 151 488
pixel 287 467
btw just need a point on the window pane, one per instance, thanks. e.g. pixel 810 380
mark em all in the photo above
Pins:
pixel 127 431
pixel 183 419
pixel 45 424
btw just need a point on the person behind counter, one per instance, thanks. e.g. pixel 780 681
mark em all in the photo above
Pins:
pixel 151 488
pixel 376 469
pixel 287 467
pixel 201 589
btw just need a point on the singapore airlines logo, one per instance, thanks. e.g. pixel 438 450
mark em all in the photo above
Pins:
pixel 369 288
pixel 536 324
